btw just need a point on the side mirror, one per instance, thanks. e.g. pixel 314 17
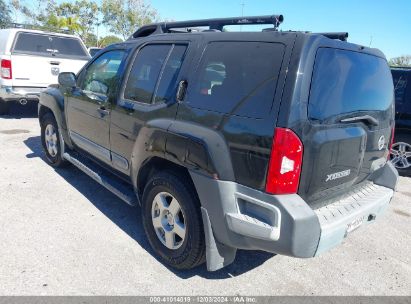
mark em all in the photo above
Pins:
pixel 67 79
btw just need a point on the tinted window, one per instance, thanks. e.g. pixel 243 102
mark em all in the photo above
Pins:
pixel 167 84
pixel 407 97
pixel 154 73
pixel 33 43
pixel 145 72
pixel 101 75
pixel 400 84
pixel 94 51
pixel 345 82
pixel 238 78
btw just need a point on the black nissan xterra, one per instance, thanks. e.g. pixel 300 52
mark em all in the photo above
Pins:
pixel 271 140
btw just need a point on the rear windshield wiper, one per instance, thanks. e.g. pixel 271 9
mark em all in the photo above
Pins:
pixel 363 118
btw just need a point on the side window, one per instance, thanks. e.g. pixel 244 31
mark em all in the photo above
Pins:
pixel 407 96
pixel 238 78
pixel 168 79
pixel 101 76
pixel 153 76
pixel 400 85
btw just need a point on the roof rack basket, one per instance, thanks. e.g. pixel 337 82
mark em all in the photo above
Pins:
pixel 212 24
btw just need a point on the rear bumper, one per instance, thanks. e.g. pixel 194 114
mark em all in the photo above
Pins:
pixel 8 93
pixel 245 218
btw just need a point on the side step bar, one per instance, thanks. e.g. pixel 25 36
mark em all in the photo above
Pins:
pixel 107 180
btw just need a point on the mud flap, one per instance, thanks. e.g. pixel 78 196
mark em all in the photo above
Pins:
pixel 217 254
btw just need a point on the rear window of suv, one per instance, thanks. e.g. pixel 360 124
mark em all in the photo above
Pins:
pixel 346 81
pixel 49 45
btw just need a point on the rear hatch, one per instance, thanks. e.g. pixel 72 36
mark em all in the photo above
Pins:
pixel 349 130
pixel 38 58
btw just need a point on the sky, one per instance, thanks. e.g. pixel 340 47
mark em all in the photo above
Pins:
pixel 382 23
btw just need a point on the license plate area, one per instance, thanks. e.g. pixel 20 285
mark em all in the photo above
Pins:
pixel 355 224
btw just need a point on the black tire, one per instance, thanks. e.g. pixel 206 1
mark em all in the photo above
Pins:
pixel 191 252
pixel 4 107
pixel 53 160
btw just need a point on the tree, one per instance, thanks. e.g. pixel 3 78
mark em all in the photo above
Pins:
pixel 80 16
pixel 85 12
pixel 401 61
pixel 109 40
pixel 5 14
pixel 123 17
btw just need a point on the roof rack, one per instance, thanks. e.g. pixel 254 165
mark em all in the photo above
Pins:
pixel 343 36
pixel 37 27
pixel 212 24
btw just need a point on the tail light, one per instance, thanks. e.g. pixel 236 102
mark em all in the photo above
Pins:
pixel 285 163
pixel 6 72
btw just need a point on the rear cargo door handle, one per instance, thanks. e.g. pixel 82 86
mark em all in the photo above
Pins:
pixel 54 62
pixel 103 112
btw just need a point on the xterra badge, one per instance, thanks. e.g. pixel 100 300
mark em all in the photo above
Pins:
pixel 338 175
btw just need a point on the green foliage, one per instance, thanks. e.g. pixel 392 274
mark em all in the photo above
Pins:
pixel 91 40
pixel 79 17
pixel 109 40
pixel 402 61
pixel 123 17
pixel 5 14
pixel 83 13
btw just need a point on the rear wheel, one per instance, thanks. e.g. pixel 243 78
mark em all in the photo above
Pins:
pixel 51 142
pixel 172 221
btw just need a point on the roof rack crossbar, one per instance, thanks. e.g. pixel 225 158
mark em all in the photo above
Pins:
pixel 343 36
pixel 213 24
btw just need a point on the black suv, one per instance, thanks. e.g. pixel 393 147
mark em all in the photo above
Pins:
pixel 401 149
pixel 274 141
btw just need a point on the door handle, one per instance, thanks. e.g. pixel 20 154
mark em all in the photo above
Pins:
pixel 103 112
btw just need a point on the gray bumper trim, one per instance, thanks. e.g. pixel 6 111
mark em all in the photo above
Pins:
pixel 246 218
pixel 341 217
pixel 16 93
pixel 238 217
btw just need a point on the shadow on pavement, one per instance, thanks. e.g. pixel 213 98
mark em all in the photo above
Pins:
pixel 17 111
pixel 128 219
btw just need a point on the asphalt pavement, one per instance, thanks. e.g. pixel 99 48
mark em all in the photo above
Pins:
pixel 63 234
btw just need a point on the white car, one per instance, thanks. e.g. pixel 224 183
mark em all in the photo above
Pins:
pixel 31 60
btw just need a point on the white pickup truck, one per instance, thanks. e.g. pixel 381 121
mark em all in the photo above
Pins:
pixel 31 60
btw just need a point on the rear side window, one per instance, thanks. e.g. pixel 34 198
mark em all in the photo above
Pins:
pixel 238 78
pixel 402 89
pixel 344 82
pixel 153 76
pixel 407 97
pixel 49 45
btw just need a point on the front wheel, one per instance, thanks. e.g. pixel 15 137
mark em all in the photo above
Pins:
pixel 50 139
pixel 172 221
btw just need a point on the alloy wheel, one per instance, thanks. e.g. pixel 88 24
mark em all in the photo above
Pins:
pixel 168 220
pixel 401 155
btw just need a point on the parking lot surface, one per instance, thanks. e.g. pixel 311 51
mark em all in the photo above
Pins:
pixel 63 234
